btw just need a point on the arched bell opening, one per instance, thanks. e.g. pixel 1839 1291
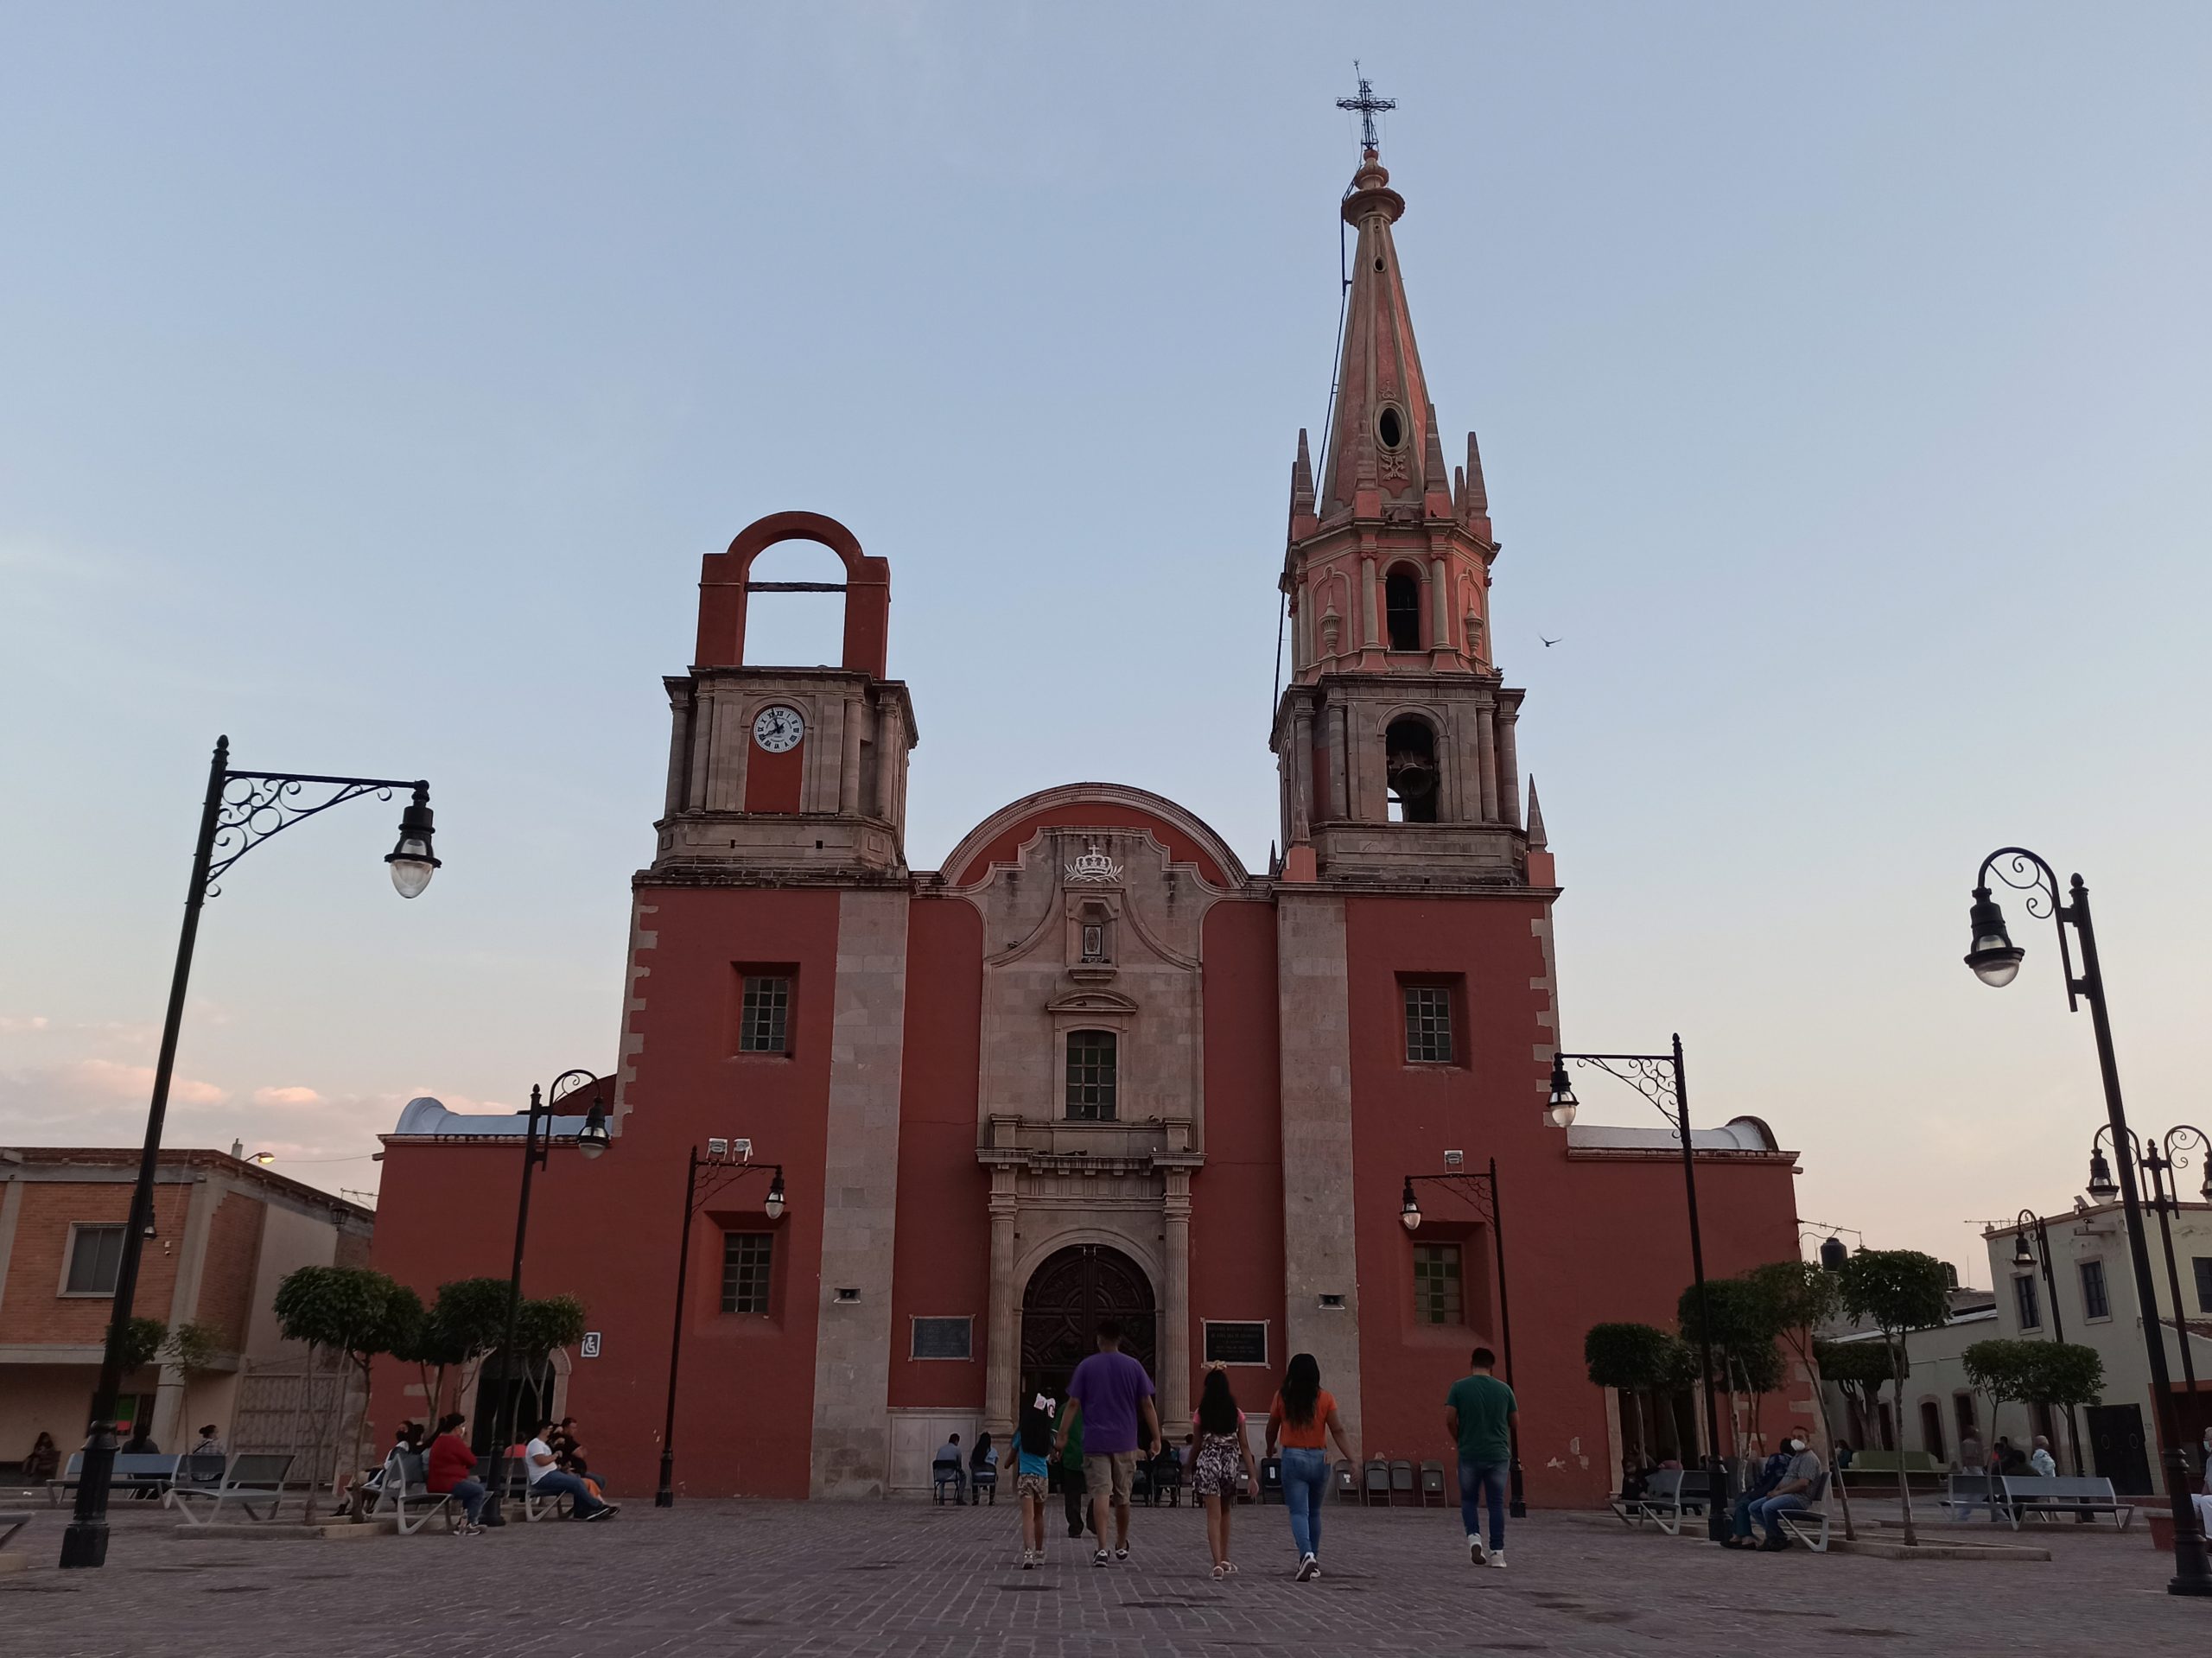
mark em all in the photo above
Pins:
pixel 1410 769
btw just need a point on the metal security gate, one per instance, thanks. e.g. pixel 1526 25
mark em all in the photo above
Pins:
pixel 282 1406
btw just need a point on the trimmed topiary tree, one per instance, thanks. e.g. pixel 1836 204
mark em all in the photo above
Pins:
pixel 1639 1360
pixel 1795 1298
pixel 1898 1291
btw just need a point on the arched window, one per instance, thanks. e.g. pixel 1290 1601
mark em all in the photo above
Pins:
pixel 1092 1064
pixel 1409 751
pixel 1402 608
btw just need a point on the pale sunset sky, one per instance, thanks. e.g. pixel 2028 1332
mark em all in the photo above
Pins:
pixel 372 377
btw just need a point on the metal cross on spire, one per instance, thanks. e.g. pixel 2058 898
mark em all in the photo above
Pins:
pixel 1369 106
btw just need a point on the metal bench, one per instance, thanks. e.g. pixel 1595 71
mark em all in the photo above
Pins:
pixel 1967 1492
pixel 1668 1494
pixel 536 1505
pixel 139 1473
pixel 405 1501
pixel 1809 1525
pixel 255 1479
pixel 2065 1496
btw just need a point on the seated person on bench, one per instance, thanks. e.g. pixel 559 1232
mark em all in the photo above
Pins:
pixel 1794 1491
pixel 1739 1533
pixel 950 1452
pixel 451 1472
pixel 548 1479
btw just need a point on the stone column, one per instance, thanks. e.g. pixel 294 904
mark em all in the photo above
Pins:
pixel 1174 1377
pixel 1341 770
pixel 1319 1251
pixel 860 1195
pixel 1368 636
pixel 1509 766
pixel 728 740
pixel 1440 607
pixel 1002 1355
pixel 849 769
pixel 1303 807
pixel 679 743
pixel 1486 756
pixel 888 737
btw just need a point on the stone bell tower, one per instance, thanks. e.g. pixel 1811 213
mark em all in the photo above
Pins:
pixel 1394 738
pixel 784 774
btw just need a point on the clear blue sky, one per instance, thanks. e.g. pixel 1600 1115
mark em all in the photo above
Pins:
pixel 372 379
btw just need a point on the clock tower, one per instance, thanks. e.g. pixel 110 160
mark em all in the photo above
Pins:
pixel 1394 738
pixel 780 775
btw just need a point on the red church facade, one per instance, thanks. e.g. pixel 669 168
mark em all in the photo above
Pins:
pixel 1094 1066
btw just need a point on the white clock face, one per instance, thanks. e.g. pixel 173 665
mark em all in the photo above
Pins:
pixel 779 729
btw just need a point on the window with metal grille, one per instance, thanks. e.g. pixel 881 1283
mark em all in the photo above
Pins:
pixel 764 1023
pixel 1436 1284
pixel 2094 1302
pixel 1428 1025
pixel 1092 1079
pixel 95 1258
pixel 745 1260
pixel 2023 1298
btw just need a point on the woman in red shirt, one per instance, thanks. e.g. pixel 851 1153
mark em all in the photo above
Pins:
pixel 451 1469
pixel 1303 1412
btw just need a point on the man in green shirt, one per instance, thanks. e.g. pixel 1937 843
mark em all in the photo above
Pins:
pixel 1072 1486
pixel 1480 1415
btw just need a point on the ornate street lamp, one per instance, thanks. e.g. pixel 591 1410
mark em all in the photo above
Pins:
pixel 241 811
pixel 591 1139
pixel 1658 1077
pixel 1480 1190
pixel 726 1162
pixel 1995 960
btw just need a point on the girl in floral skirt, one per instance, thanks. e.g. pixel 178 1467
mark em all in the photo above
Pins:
pixel 1219 1451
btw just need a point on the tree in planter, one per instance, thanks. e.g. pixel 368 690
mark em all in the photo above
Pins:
pixel 1639 1360
pixel 541 1329
pixel 2063 1374
pixel 467 1323
pixel 193 1348
pixel 1795 1298
pixel 1898 1291
pixel 2004 1371
pixel 341 1311
pixel 1859 1369
pixel 1743 1348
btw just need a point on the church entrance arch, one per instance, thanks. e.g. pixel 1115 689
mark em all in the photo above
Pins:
pixel 1070 1292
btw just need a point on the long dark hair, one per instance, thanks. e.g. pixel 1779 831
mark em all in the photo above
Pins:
pixel 1034 1435
pixel 1301 1389
pixel 1217 1405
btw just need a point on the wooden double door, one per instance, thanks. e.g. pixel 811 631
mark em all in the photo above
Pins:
pixel 1069 1294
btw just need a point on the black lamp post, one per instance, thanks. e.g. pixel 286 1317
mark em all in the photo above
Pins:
pixel 1658 1077
pixel 591 1139
pixel 242 809
pixel 722 1174
pixel 1995 960
pixel 2024 1258
pixel 2162 1157
pixel 1480 1189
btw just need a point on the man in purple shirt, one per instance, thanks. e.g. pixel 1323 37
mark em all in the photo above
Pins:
pixel 1113 1396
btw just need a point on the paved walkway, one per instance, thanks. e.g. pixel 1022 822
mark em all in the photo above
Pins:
pixel 735 1579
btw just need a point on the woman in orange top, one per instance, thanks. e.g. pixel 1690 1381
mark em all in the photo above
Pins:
pixel 1304 1411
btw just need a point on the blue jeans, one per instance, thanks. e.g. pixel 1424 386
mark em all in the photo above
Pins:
pixel 1305 1484
pixel 469 1492
pixel 1479 1480
pixel 1741 1526
pixel 555 1480
pixel 1766 1510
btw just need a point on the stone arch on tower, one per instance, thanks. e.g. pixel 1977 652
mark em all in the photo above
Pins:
pixel 724 584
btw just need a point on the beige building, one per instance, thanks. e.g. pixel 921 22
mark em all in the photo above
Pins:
pixel 226 1233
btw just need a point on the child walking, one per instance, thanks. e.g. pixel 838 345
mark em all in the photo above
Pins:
pixel 1217 1454
pixel 1033 1445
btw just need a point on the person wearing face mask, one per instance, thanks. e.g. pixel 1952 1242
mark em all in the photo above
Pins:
pixel 1793 1491
pixel 1771 1475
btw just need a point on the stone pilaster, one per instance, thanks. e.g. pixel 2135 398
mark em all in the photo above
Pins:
pixel 852 1354
pixel 1174 1378
pixel 1002 1355
pixel 1486 755
pixel 1319 1251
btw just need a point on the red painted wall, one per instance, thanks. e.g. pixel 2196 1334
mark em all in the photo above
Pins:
pixel 1236 1268
pixel 773 782
pixel 1584 1240
pixel 941 1260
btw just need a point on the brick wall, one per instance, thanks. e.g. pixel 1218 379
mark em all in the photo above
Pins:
pixel 234 1251
pixel 34 1310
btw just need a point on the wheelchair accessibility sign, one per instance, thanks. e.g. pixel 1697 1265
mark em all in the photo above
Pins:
pixel 591 1344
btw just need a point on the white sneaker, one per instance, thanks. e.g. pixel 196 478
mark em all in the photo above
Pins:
pixel 1308 1568
pixel 1477 1554
pixel 1028 1560
pixel 1497 1559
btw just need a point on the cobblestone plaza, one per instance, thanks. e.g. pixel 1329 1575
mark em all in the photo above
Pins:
pixel 734 1580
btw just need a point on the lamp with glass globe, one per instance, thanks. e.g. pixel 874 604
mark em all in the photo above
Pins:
pixel 410 861
pixel 1409 1208
pixel 1560 1112
pixel 1992 954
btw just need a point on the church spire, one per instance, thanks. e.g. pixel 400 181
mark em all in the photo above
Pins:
pixel 1382 400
